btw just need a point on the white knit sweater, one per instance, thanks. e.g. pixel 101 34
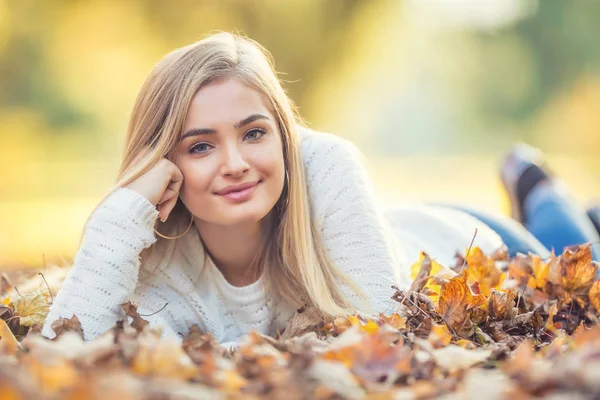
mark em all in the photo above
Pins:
pixel 373 248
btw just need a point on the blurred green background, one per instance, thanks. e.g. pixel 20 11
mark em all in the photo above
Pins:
pixel 432 91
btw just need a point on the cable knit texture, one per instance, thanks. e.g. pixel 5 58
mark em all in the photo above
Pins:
pixel 373 247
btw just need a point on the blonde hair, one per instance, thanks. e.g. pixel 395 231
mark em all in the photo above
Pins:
pixel 296 266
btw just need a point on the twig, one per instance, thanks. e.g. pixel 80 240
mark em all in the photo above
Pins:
pixel 469 250
pixel 155 312
pixel 17 290
pixel 48 286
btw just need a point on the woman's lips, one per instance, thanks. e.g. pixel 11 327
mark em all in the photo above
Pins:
pixel 241 195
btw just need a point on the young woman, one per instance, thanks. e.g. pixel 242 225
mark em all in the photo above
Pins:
pixel 227 213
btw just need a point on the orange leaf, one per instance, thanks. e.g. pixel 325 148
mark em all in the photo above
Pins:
pixel 594 295
pixel 8 343
pixel 394 320
pixel 577 270
pixel 456 300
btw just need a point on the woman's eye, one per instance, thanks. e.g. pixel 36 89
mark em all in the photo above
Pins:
pixel 200 148
pixel 255 134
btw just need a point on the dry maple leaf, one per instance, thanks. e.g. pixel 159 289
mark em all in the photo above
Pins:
pixel 301 322
pixel 32 308
pixel 131 311
pixel 482 270
pixel 594 295
pixel 62 325
pixel 500 304
pixel 456 302
pixel 578 272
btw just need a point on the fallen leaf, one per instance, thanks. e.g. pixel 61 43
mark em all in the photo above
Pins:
pixel 8 343
pixel 455 358
pixel 32 308
pixel 301 323
pixel 500 304
pixel 62 325
pixel 456 302
pixel 164 359
pixel 483 271
pixel 131 311
pixel 394 320
pixel 439 336
pixel 594 295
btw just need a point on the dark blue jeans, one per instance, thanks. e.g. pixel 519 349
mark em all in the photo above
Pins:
pixel 554 221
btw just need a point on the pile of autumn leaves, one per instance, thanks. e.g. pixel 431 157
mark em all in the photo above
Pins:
pixel 489 327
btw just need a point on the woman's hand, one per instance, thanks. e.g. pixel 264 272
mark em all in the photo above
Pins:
pixel 160 185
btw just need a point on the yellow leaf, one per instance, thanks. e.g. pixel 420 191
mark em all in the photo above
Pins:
pixel 6 301
pixel 594 295
pixel 32 308
pixel 354 321
pixel 482 269
pixel 370 327
pixel 540 271
pixel 394 320
pixel 8 343
pixel 165 359
pixel 439 336
pixel 53 377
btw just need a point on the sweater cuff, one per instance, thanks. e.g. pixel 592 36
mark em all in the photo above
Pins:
pixel 125 201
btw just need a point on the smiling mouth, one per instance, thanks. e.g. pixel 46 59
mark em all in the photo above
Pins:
pixel 241 195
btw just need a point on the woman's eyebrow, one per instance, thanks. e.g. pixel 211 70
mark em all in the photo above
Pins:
pixel 237 125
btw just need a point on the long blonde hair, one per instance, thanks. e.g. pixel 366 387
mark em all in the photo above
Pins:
pixel 296 266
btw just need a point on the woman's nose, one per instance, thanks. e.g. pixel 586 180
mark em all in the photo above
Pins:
pixel 234 163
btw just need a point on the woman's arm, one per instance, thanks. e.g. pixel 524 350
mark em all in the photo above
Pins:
pixel 105 270
pixel 352 227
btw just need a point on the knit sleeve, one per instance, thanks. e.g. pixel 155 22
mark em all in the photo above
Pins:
pixel 350 220
pixel 106 266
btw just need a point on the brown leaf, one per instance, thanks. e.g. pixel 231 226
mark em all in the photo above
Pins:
pixel 500 305
pixel 131 311
pixel 424 272
pixel 63 325
pixel 7 314
pixel 5 285
pixel 300 323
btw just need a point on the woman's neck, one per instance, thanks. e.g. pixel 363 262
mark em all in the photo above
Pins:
pixel 233 250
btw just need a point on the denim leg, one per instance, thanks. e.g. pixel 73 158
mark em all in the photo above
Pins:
pixel 555 219
pixel 513 234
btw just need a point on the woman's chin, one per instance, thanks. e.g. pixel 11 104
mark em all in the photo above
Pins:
pixel 244 217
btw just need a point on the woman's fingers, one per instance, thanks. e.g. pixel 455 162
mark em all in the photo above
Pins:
pixel 169 199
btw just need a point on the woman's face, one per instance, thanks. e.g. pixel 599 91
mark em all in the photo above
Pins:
pixel 230 155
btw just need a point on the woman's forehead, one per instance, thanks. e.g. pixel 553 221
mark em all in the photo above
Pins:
pixel 226 104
